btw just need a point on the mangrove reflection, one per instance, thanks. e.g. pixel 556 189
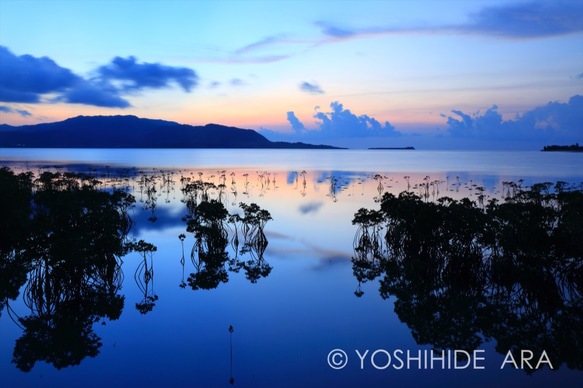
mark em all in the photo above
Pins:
pixel 64 235
pixel 144 275
pixel 465 272
pixel 231 379
pixel 15 207
pixel 210 223
pixel 69 236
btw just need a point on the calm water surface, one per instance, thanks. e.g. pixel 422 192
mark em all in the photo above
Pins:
pixel 287 320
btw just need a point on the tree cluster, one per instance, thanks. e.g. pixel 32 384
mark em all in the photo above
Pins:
pixel 464 273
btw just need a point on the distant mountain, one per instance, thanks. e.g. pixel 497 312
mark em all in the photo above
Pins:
pixel 134 132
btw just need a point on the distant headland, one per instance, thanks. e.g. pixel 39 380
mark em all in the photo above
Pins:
pixel 134 132
pixel 570 148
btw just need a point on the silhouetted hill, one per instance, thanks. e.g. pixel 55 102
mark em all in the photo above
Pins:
pixel 134 132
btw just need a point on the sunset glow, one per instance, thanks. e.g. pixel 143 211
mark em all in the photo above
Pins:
pixel 249 63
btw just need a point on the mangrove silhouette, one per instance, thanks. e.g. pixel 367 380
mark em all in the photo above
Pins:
pixel 210 223
pixel 465 272
pixel 67 237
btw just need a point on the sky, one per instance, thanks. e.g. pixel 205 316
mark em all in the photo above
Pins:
pixel 468 74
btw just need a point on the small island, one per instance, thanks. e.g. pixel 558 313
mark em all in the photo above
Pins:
pixel 392 148
pixel 570 148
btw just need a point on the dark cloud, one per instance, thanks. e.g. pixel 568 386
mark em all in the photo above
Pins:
pixel 24 78
pixel 529 20
pixel 8 95
pixel 27 79
pixel 552 122
pixel 90 94
pixel 237 82
pixel 311 88
pixel 296 124
pixel 7 109
pixel 579 76
pixel 343 123
pixel 147 75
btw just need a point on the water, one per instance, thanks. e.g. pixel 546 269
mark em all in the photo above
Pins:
pixel 287 322
pixel 512 163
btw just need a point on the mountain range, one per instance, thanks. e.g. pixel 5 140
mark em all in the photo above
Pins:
pixel 135 132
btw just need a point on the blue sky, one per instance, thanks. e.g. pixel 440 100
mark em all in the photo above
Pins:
pixel 432 74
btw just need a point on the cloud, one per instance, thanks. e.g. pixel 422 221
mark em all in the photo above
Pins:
pixel 253 60
pixel 337 126
pixel 147 75
pixel 553 122
pixel 266 42
pixel 525 20
pixel 90 94
pixel 311 88
pixel 23 113
pixel 334 31
pixel 528 20
pixel 24 78
pixel 296 124
pixel 343 123
pixel 28 79
pixel 237 82
pixel 7 109
pixel 579 76
pixel 267 50
pixel 475 125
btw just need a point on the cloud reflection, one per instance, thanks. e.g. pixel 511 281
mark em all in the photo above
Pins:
pixel 312 207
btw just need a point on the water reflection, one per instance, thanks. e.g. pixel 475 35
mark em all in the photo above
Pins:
pixel 311 209
pixel 15 207
pixel 144 276
pixel 208 254
pixel 65 235
pixel 465 272
pixel 231 379
pixel 69 238
pixel 210 223
pixel 255 242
